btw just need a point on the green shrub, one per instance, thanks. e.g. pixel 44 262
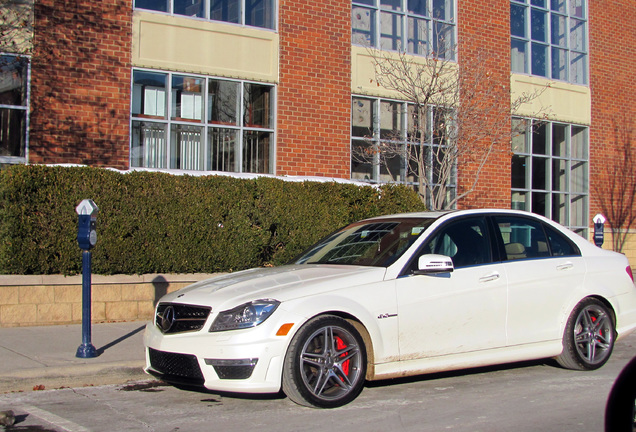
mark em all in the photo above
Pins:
pixel 159 223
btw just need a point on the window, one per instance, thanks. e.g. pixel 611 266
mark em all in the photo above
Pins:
pixel 550 165
pixel 14 108
pixel 525 238
pixel 199 123
pixel 256 13
pixel 466 241
pixel 385 142
pixel 549 39
pixel 422 27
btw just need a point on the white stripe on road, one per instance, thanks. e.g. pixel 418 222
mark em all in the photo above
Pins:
pixel 56 421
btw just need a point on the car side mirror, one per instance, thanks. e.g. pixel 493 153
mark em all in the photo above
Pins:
pixel 432 264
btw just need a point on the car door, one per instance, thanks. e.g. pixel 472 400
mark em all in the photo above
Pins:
pixel 543 269
pixel 460 311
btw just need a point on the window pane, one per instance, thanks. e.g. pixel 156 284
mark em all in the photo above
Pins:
pixel 539 25
pixel 361 160
pixel 259 13
pixel 577 8
pixel 395 5
pixel 443 40
pixel 391 120
pixel 559 64
pixel 390 31
pixel 443 10
pixel 156 5
pixel 223 102
pixel 186 149
pixel 559 171
pixel 362 113
pixel 558 5
pixel 539 59
pixel 520 201
pixel 559 142
pixel 520 136
pixel 540 3
pixel 222 144
pixel 539 138
pixel 258 106
pixel 256 151
pixel 518 55
pixel 392 167
pixel 518 20
pixel 558 31
pixel 225 10
pixel 367 2
pixel 539 173
pixel 578 211
pixel 559 208
pixel 12 132
pixel 418 7
pixel 418 36
pixel 577 35
pixel 149 94
pixel 578 68
pixel 519 171
pixel 191 8
pixel 363 26
pixel 578 143
pixel 578 177
pixel 13 80
pixel 539 204
pixel 149 145
pixel 187 98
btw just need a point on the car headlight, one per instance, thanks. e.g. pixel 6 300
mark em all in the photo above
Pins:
pixel 244 316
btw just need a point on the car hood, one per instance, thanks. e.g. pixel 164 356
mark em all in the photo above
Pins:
pixel 280 283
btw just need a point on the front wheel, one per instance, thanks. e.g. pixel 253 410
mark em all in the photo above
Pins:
pixel 325 365
pixel 589 335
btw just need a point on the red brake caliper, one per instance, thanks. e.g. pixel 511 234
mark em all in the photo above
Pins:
pixel 339 346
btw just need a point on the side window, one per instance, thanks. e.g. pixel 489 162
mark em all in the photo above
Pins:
pixel 465 241
pixel 522 238
pixel 560 245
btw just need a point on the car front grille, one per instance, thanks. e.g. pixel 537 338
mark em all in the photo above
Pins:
pixel 179 318
pixel 175 367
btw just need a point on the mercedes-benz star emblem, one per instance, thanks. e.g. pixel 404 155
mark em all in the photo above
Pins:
pixel 167 319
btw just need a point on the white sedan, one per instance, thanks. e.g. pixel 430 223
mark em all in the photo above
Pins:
pixel 395 296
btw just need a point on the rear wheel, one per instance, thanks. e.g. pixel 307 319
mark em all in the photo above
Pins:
pixel 588 340
pixel 325 365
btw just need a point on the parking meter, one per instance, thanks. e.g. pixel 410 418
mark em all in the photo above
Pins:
pixel 599 228
pixel 87 224
pixel 87 238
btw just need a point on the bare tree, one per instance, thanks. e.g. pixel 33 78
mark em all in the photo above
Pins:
pixel 16 26
pixel 457 113
pixel 618 195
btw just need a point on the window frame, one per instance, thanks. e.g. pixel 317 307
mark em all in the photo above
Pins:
pixel 170 10
pixel 401 34
pixel 529 40
pixel 167 123
pixel 575 203
pixel 375 139
pixel 12 160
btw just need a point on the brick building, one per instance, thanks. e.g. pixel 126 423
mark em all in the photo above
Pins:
pixel 287 87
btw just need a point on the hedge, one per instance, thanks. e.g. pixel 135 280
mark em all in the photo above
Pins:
pixel 152 222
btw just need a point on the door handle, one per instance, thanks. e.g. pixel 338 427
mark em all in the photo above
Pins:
pixel 489 278
pixel 566 266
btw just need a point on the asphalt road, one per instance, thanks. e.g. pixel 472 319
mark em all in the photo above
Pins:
pixel 532 396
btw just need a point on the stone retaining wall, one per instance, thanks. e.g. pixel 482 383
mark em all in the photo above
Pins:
pixel 52 299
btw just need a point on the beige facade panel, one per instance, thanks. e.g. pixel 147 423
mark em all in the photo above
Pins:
pixel 210 48
pixel 556 100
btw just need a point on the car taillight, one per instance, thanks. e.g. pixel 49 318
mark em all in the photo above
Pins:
pixel 629 272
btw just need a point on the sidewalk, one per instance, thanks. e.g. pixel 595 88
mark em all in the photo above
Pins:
pixel 44 357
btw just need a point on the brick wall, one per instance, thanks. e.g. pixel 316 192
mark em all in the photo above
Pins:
pixel 314 96
pixel 612 65
pixel 484 43
pixel 80 82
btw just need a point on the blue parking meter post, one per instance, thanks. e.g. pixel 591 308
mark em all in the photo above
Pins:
pixel 86 238
pixel 599 229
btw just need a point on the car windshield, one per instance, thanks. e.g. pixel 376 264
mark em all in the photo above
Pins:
pixel 376 243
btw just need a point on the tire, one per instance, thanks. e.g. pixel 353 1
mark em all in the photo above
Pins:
pixel 589 336
pixel 325 365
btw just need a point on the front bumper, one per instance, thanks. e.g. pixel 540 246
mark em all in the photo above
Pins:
pixel 244 361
